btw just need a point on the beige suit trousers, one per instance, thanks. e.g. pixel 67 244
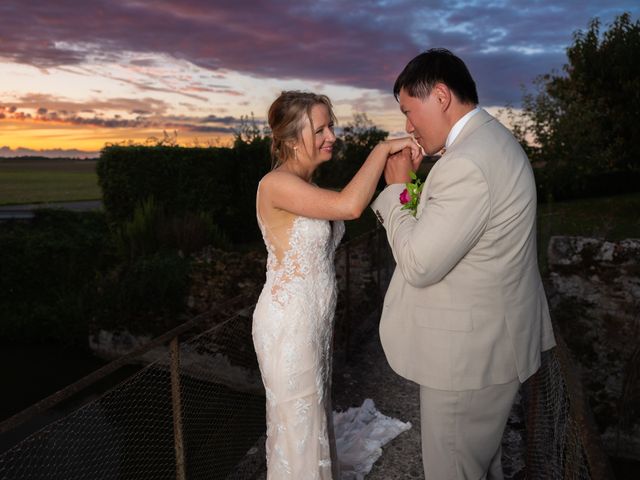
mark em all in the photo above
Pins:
pixel 462 431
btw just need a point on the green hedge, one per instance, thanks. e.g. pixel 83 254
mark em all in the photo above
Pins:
pixel 218 182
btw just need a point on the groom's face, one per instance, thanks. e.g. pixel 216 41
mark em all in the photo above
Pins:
pixel 425 120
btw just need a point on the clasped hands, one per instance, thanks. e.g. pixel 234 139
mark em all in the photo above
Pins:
pixel 401 162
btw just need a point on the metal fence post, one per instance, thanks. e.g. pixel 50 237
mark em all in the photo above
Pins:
pixel 176 402
pixel 347 298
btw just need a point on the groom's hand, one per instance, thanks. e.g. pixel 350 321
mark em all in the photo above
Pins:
pixel 398 167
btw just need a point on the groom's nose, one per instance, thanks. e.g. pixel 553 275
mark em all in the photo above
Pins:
pixel 409 126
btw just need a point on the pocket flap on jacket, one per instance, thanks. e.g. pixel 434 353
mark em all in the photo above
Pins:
pixel 452 319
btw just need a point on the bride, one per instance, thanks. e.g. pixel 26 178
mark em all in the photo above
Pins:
pixel 293 319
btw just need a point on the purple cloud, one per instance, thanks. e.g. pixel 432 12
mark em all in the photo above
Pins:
pixel 363 43
pixel 48 102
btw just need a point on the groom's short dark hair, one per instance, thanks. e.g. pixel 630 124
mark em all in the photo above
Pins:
pixel 437 65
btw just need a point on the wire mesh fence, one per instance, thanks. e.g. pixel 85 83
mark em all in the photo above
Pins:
pixel 197 411
pixel 561 441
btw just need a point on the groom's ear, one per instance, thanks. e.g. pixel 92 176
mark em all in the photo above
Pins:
pixel 443 95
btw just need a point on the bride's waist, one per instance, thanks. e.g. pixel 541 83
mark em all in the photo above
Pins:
pixel 318 286
pixel 300 278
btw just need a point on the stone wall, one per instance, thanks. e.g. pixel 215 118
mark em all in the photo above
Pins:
pixel 594 293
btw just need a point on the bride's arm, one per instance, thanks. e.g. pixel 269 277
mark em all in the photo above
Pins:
pixel 289 192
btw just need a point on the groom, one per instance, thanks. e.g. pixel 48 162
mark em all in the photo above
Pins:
pixel 465 315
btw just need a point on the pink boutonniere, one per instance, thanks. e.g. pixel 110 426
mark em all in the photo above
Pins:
pixel 404 197
pixel 410 196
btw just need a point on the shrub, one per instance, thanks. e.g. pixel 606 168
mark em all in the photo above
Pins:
pixel 144 296
pixel 48 271
pixel 151 230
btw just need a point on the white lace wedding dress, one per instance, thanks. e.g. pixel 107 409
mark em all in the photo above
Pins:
pixel 292 335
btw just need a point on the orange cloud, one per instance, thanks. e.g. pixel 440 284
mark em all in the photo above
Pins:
pixel 45 135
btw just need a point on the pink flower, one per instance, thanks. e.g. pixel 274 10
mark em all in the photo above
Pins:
pixel 404 197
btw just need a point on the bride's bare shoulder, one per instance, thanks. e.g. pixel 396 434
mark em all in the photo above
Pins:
pixel 277 179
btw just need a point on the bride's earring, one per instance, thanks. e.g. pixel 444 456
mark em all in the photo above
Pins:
pixel 295 152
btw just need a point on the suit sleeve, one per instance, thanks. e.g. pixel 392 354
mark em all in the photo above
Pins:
pixel 454 217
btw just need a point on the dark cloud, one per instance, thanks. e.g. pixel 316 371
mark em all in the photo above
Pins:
pixel 72 113
pixel 143 62
pixel 215 119
pixel 501 76
pixel 207 129
pixel 363 43
pixel 7 152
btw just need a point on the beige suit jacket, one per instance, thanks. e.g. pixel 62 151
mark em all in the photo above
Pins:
pixel 466 307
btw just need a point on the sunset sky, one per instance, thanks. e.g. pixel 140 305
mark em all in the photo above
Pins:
pixel 76 74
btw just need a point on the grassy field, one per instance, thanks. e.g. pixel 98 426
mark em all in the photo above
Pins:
pixel 47 180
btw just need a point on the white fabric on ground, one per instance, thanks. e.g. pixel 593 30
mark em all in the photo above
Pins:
pixel 361 432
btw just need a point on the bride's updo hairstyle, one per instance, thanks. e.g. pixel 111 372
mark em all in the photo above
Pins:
pixel 286 120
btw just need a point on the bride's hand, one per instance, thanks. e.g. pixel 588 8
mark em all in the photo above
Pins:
pixel 400 164
pixel 396 145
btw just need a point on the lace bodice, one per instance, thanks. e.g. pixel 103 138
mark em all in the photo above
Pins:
pixel 307 263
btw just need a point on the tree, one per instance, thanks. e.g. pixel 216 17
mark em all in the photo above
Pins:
pixel 585 121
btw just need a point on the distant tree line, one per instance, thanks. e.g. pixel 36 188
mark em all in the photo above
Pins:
pixel 38 158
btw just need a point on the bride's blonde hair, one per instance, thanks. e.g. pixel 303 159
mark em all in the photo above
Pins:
pixel 286 120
